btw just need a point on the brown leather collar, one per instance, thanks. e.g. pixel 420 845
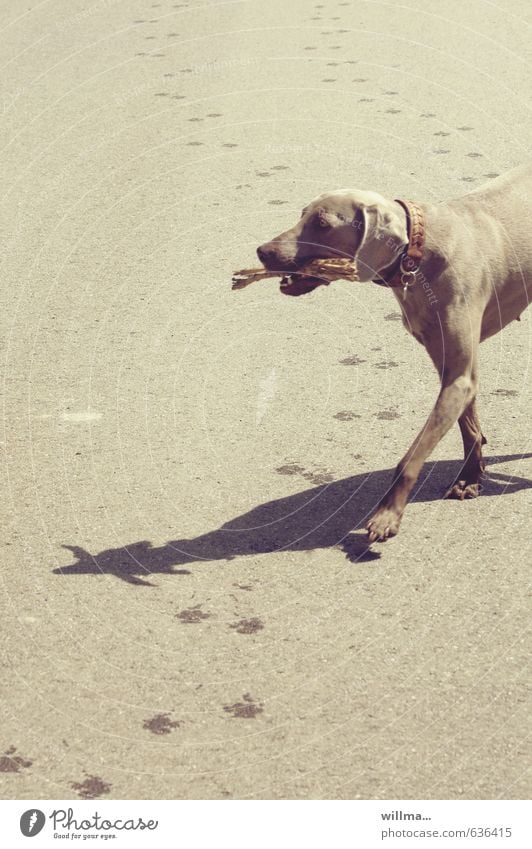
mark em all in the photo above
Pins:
pixel 403 271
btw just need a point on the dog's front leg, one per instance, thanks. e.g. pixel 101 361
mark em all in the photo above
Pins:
pixel 467 483
pixel 458 389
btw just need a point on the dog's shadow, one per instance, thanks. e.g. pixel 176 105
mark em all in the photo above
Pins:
pixel 320 517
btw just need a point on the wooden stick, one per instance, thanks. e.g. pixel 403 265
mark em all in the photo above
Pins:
pixel 329 269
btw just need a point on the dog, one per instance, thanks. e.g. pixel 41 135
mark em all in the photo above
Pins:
pixel 461 271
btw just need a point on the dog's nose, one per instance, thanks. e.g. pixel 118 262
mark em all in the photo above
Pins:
pixel 265 253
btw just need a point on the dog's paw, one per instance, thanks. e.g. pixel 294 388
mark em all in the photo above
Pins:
pixel 462 489
pixel 384 524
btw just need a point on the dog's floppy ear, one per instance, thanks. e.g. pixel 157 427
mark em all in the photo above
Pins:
pixel 382 234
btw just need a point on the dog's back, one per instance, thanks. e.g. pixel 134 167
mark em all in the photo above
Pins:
pixel 493 234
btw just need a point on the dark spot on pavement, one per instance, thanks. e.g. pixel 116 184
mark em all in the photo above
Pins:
pixel 387 415
pixel 474 155
pixel 506 393
pixel 194 144
pixel 392 111
pixel 346 415
pixel 428 115
pixel 318 478
pixel 229 144
pixel 441 133
pixel 161 724
pixel 441 150
pixel 351 361
pixel 491 175
pixel 280 168
pixel 247 587
pixel 248 626
pixel 465 129
pixel 290 469
pixel 9 762
pixel 246 709
pixel 393 316
pixel 277 202
pixel 468 179
pixel 92 788
pixel 192 614
pixel 386 364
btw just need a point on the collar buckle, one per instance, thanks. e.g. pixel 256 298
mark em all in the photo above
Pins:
pixel 408 269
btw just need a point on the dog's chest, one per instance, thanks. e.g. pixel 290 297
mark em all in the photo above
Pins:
pixel 412 316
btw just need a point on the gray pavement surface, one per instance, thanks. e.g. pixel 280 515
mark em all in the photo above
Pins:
pixel 188 610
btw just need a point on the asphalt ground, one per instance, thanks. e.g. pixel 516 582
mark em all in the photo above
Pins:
pixel 189 608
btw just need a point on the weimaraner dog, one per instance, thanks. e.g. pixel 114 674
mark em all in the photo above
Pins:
pixel 460 270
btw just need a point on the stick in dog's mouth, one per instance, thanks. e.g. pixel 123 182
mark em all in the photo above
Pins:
pixel 317 272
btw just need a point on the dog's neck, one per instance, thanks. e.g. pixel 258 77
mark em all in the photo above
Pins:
pixel 385 239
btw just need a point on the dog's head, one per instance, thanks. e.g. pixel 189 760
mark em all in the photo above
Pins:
pixel 347 224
